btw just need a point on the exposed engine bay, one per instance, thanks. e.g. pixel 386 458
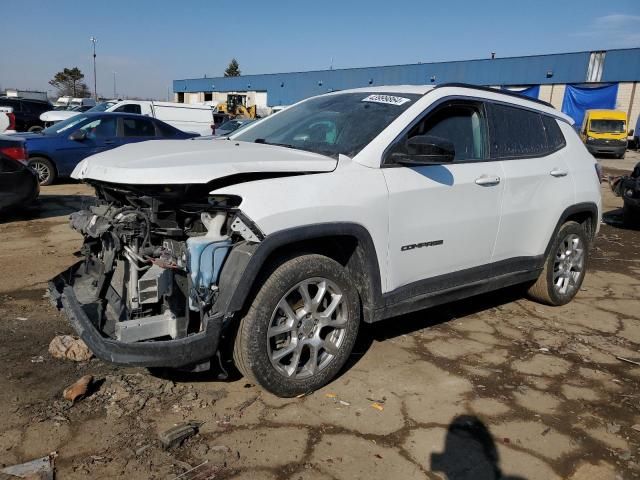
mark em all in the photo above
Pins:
pixel 152 258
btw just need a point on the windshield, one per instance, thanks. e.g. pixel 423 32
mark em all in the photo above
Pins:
pixel 341 123
pixel 101 107
pixel 607 126
pixel 64 125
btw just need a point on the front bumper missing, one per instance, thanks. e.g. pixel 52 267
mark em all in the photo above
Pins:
pixel 174 353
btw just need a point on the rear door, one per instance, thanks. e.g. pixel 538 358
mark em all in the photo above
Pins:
pixel 443 219
pixel 538 184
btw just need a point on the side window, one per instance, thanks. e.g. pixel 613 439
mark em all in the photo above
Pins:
pixel 555 139
pixel 138 127
pixel 101 128
pixel 129 108
pixel 461 125
pixel 165 130
pixel 516 132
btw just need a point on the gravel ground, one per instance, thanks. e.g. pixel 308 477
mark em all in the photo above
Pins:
pixel 492 387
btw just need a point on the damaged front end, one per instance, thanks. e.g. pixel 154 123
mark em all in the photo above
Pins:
pixel 152 256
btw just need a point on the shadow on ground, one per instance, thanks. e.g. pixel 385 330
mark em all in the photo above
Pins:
pixel 469 452
pixel 47 206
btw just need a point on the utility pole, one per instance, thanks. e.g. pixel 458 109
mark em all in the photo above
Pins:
pixel 114 86
pixel 93 40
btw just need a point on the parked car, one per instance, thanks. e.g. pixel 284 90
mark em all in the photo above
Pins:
pixel 27 112
pixel 230 126
pixel 605 132
pixel 18 182
pixel 54 116
pixel 350 207
pixel 56 150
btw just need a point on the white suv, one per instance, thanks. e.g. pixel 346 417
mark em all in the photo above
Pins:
pixel 352 206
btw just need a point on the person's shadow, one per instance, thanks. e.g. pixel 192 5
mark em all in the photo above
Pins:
pixel 470 452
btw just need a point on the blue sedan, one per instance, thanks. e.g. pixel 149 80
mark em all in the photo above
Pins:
pixel 55 151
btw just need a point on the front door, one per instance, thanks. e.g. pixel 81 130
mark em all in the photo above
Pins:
pixel 100 135
pixel 444 218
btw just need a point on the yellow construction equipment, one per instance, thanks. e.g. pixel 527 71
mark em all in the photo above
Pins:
pixel 236 106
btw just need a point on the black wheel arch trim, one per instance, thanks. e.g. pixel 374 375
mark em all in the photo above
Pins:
pixel 241 271
pixel 579 208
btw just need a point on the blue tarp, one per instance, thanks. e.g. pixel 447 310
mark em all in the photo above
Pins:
pixel 578 99
pixel 532 92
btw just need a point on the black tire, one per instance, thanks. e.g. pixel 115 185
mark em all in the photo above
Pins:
pixel 546 290
pixel 253 347
pixel 630 216
pixel 35 128
pixel 621 155
pixel 46 170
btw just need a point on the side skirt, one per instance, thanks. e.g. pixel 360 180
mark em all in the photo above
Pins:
pixel 424 295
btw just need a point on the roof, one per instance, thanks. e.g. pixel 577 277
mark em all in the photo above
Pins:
pixel 599 112
pixel 415 89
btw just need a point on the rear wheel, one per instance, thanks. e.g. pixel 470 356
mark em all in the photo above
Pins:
pixel 300 328
pixel 44 168
pixel 564 267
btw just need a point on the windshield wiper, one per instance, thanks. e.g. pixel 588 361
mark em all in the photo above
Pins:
pixel 263 141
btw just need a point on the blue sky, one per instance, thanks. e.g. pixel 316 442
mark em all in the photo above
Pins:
pixel 150 43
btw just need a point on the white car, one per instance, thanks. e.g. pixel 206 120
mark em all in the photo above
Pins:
pixel 350 207
pixel 191 118
pixel 54 116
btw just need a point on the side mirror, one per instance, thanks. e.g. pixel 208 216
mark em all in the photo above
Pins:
pixel 78 136
pixel 426 150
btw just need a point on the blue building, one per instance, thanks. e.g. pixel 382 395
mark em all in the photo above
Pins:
pixel 548 77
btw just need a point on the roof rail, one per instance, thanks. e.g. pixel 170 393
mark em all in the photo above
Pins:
pixel 495 90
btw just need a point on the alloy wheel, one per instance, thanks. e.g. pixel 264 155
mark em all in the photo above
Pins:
pixel 569 265
pixel 43 171
pixel 307 328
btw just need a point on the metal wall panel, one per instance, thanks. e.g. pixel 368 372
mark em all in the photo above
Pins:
pixel 287 88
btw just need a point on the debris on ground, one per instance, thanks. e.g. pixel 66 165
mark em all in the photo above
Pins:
pixel 178 434
pixel 377 406
pixel 39 469
pixel 628 361
pixel 78 389
pixel 69 347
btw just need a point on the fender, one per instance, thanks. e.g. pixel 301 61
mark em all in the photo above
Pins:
pixel 585 207
pixel 245 262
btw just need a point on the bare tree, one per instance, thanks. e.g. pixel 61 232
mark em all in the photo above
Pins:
pixel 69 83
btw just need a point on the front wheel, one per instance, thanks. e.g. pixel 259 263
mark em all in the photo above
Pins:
pixel 36 129
pixel 300 328
pixel 564 267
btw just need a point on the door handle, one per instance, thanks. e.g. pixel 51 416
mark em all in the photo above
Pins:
pixel 487 180
pixel 109 142
pixel 556 172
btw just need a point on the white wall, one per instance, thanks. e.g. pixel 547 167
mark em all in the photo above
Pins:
pixel 624 101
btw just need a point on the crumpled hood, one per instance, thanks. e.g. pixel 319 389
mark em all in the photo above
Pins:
pixel 158 162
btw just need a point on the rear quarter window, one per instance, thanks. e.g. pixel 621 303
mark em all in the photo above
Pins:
pixel 555 139
pixel 516 132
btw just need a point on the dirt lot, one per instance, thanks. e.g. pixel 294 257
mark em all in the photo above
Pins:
pixel 493 387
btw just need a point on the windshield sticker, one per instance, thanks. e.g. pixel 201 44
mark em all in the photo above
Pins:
pixel 388 99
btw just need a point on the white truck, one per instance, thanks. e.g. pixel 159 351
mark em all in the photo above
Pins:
pixel 356 206
pixel 191 118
